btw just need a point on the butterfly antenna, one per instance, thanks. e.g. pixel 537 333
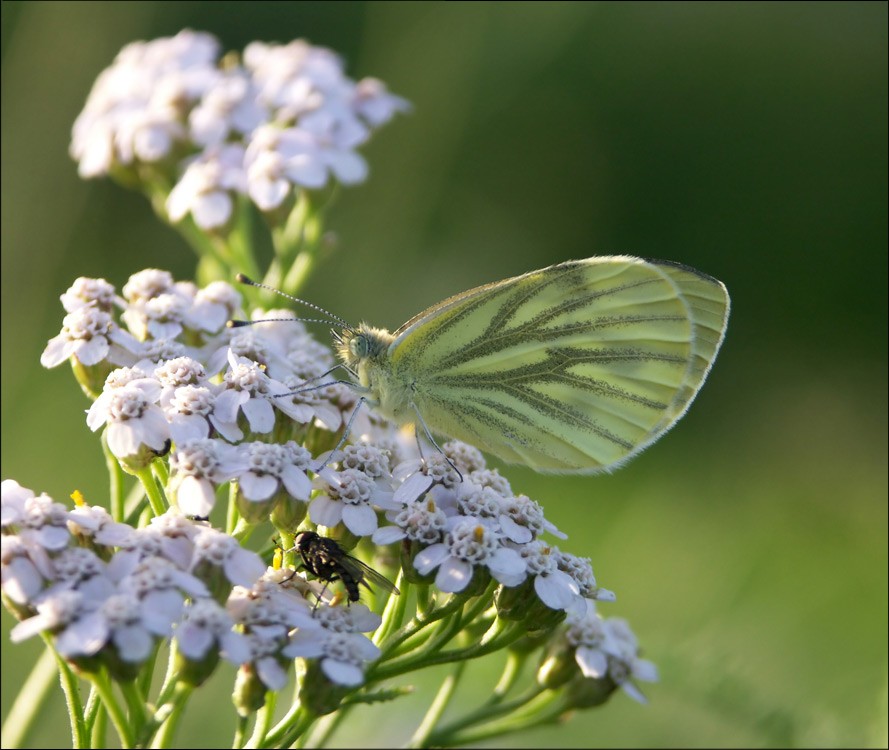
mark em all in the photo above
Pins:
pixel 250 282
pixel 242 323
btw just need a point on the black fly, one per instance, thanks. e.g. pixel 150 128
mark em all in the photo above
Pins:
pixel 324 558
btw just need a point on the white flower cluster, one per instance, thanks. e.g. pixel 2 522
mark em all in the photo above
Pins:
pixel 608 648
pixel 219 395
pixel 109 591
pixel 284 117
pixel 256 406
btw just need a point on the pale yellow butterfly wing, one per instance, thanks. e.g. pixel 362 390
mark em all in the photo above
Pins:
pixel 573 368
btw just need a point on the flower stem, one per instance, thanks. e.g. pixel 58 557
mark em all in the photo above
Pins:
pixel 30 699
pixel 134 504
pixel 135 705
pixel 325 727
pixel 231 514
pixel 161 471
pixel 300 271
pixel 417 624
pixel 511 672
pixel 240 240
pixel 115 478
pixel 102 684
pixel 263 721
pixel 170 677
pixel 289 729
pixel 170 722
pixel 488 712
pixel 393 614
pixel 95 719
pixel 547 709
pixel 497 637
pixel 241 731
pixel 438 706
pixel 155 496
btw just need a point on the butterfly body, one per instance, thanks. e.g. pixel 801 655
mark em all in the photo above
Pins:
pixel 366 351
pixel 573 368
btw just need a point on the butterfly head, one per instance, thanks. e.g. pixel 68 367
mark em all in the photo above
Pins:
pixel 362 344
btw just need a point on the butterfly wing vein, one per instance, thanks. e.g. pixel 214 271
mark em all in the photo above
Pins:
pixel 574 368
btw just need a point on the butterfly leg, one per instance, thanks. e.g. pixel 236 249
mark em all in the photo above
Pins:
pixel 346 432
pixel 431 440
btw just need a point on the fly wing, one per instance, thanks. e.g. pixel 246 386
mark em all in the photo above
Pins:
pixel 365 574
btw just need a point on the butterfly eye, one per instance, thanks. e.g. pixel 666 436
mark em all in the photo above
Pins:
pixel 359 346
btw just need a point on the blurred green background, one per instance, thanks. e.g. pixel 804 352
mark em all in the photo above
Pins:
pixel 748 549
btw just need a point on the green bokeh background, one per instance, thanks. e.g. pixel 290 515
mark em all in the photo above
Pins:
pixel 749 548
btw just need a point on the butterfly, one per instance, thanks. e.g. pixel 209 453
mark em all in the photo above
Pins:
pixel 574 368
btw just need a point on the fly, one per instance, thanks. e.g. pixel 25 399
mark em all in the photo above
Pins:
pixel 325 559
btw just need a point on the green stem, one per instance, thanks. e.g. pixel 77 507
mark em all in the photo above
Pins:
pixel 71 688
pixel 286 240
pixel 241 731
pixel 444 633
pixel 170 722
pixel 155 496
pixel 240 239
pixel 424 599
pixel 100 725
pixel 242 530
pixel 115 478
pixel 146 676
pixel 102 684
pixel 231 514
pixel 202 244
pixel 511 672
pixel 136 707
pixel 263 722
pixel 161 471
pixel 272 736
pixel 499 636
pixel 289 729
pixel 490 711
pixel 481 604
pixel 325 727
pixel 170 678
pixel 30 699
pixel 95 719
pixel 417 624
pixel 300 271
pixel 393 613
pixel 439 704
pixel 547 707
pixel 134 504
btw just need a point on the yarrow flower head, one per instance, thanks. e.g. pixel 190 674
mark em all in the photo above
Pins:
pixel 255 407
pixel 349 496
pixel 339 645
pixel 285 118
pixel 91 335
pixel 420 521
pixel 271 467
pixel 208 187
pixel 205 627
pixel 468 547
pixel 202 393
pixel 135 112
pixel 418 475
pixel 136 427
pixel 608 648
pixel 86 292
pixel 198 466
